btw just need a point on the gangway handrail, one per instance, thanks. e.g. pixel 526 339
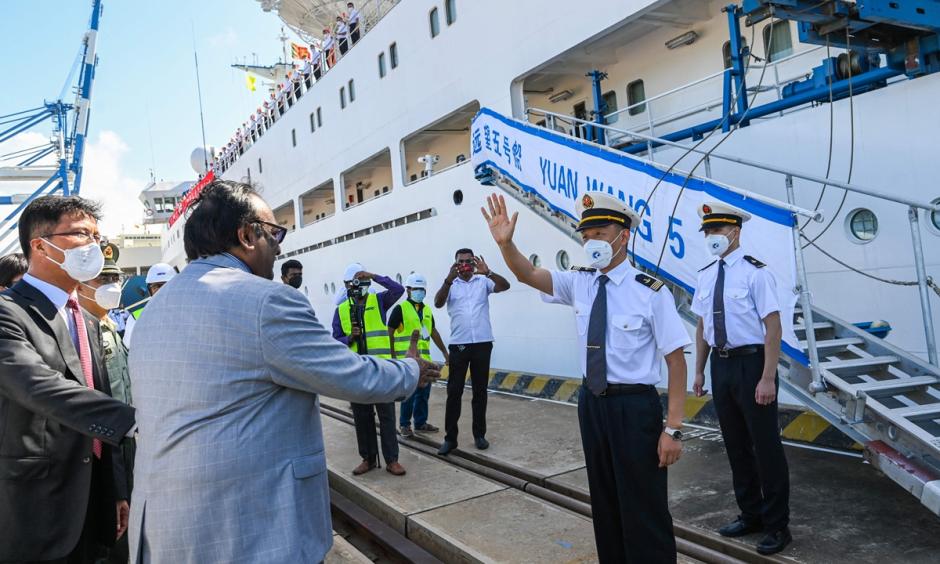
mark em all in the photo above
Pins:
pixel 752 163
pixel 712 76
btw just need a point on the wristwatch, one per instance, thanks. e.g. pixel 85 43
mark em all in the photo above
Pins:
pixel 675 434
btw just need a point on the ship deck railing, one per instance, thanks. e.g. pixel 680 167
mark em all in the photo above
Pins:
pixel 371 12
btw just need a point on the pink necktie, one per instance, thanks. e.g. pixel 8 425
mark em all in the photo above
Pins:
pixel 84 354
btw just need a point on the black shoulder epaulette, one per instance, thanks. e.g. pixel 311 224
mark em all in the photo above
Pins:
pixel 583 269
pixel 650 282
pixel 754 261
pixel 707 265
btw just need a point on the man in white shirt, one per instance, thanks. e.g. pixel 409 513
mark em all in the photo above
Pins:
pixel 739 329
pixel 342 35
pixel 353 20
pixel 466 291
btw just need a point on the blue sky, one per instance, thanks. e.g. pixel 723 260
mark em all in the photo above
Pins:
pixel 145 87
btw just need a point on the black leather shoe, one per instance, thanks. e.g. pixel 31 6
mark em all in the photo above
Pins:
pixel 446 447
pixel 775 542
pixel 739 528
pixel 481 443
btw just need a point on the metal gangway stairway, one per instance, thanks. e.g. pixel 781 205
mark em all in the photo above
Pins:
pixel 885 398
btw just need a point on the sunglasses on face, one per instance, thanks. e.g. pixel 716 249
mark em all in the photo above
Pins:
pixel 278 232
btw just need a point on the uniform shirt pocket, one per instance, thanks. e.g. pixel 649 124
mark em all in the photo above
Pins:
pixel 582 313
pixel 738 300
pixel 625 331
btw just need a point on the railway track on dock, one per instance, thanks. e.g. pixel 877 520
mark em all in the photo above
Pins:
pixel 692 543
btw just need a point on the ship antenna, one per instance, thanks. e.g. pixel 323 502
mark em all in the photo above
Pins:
pixel 202 119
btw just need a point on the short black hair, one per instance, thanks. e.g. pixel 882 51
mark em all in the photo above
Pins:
pixel 12 266
pixel 292 263
pixel 45 212
pixel 215 217
pixel 464 252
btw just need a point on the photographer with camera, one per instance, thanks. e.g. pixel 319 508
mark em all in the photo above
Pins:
pixel 360 323
pixel 466 291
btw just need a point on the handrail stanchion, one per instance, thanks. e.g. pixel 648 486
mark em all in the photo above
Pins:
pixel 649 119
pixel 806 300
pixel 922 285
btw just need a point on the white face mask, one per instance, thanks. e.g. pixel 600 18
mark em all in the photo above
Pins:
pixel 81 263
pixel 599 252
pixel 717 244
pixel 108 296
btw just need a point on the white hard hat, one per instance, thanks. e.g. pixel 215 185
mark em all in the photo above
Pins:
pixel 160 272
pixel 416 280
pixel 352 270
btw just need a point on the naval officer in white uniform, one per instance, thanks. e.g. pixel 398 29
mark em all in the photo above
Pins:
pixel 627 323
pixel 739 328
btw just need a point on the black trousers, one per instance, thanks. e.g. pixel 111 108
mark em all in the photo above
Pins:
pixel 620 436
pixel 476 358
pixel 752 438
pixel 364 419
pixel 343 46
pixel 354 33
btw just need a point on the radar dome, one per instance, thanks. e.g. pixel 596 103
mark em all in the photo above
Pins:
pixel 198 159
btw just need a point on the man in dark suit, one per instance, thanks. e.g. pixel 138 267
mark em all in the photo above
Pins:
pixel 61 485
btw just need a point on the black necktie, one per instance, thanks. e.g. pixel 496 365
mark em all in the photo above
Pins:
pixel 718 308
pixel 597 340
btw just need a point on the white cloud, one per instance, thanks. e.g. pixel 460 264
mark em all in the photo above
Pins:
pixel 227 38
pixel 104 180
pixel 25 140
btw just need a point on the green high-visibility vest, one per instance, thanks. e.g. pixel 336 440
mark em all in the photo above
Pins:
pixel 410 322
pixel 138 308
pixel 375 331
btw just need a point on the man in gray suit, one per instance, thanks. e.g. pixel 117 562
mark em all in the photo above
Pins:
pixel 227 366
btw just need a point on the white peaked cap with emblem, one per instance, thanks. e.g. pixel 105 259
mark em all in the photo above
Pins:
pixel 717 214
pixel 596 209
pixel 352 270
pixel 160 272
pixel 416 280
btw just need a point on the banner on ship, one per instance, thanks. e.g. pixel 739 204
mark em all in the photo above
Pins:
pixel 560 169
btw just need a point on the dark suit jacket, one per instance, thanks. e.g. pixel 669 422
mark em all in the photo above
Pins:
pixel 48 417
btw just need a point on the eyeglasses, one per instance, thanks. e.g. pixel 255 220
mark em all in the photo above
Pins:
pixel 279 232
pixel 85 236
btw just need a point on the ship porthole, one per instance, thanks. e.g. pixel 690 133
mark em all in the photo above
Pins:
pixel 562 260
pixel 933 218
pixel 326 289
pixel 862 225
pixel 458 197
pixel 398 277
pixel 332 287
pixel 535 260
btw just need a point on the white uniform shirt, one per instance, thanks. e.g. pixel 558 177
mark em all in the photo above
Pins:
pixel 642 324
pixel 468 305
pixel 750 296
pixel 341 30
pixel 328 42
pixel 353 17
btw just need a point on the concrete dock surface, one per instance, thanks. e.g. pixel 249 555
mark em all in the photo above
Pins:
pixel 842 509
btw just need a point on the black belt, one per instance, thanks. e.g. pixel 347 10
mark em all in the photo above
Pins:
pixel 746 350
pixel 622 389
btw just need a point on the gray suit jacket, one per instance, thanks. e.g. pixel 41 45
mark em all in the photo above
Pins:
pixel 230 466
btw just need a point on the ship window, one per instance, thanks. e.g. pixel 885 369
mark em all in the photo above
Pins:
pixel 935 216
pixel 385 189
pixel 726 51
pixel 352 91
pixel 326 289
pixel 260 171
pixel 777 40
pixel 610 101
pixel 434 22
pixel 158 205
pixel 332 287
pixel 458 197
pixel 393 55
pixel 382 65
pixel 535 260
pixel 450 11
pixel 313 122
pixel 862 225
pixel 399 278
pixel 342 97
pixel 319 117
pixel 636 93
pixel 562 260
pixel 293 140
